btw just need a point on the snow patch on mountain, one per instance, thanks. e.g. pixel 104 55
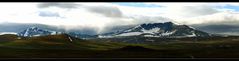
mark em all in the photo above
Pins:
pixel 130 34
pixel 154 30
pixel 100 36
pixel 168 33
pixel 34 32
pixel 132 28
pixel 3 33
pixel 193 35
pixel 167 29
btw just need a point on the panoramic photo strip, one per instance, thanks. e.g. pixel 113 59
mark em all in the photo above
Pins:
pixel 119 30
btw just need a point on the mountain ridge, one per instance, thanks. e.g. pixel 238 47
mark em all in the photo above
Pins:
pixel 35 31
pixel 165 29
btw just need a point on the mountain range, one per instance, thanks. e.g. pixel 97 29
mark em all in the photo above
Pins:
pixel 167 29
pixel 158 30
pixel 34 31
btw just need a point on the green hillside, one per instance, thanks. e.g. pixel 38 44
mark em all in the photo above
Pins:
pixel 55 42
pixel 60 46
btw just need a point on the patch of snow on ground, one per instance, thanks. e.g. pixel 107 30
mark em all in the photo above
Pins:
pixel 154 30
pixel 70 39
pixel 130 34
pixel 150 36
pixel 3 33
pixel 104 36
pixel 53 33
pixel 193 35
pixel 36 35
pixel 168 33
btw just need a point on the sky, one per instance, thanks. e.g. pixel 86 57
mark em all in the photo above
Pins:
pixel 102 15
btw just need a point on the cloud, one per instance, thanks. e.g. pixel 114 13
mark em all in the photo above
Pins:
pixel 109 11
pixel 191 11
pixel 218 28
pixel 60 5
pixel 210 14
pixel 102 16
pixel 79 14
pixel 146 11
pixel 49 14
pixel 218 23
pixel 217 18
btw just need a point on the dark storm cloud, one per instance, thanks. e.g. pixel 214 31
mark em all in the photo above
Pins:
pixel 222 23
pixel 108 11
pixel 218 28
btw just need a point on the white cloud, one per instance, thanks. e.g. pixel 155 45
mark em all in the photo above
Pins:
pixel 89 16
pixel 146 11
pixel 102 15
pixel 231 18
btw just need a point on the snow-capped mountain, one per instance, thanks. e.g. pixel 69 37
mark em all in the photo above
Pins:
pixel 34 31
pixel 167 29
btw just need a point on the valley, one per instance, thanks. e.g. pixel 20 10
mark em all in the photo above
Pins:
pixel 59 46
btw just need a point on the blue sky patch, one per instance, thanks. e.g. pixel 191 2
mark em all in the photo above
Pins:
pixel 236 8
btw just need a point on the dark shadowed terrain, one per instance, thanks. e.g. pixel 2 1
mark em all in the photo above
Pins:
pixel 59 46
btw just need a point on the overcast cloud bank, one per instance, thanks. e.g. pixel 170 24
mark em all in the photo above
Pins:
pixel 104 16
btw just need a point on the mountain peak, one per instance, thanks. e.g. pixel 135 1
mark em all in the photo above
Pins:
pixel 168 22
pixel 165 25
pixel 33 27
pixel 160 23
pixel 166 29
pixel 35 31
